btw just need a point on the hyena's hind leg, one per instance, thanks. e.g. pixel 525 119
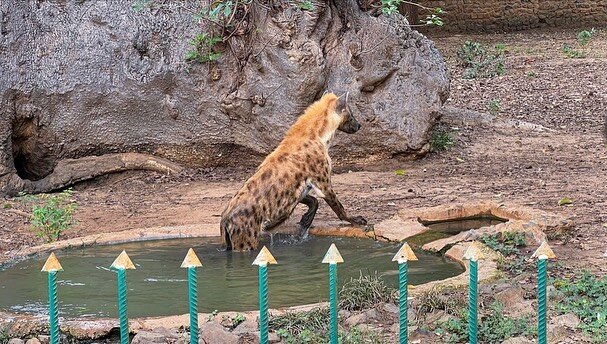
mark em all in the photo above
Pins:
pixel 308 217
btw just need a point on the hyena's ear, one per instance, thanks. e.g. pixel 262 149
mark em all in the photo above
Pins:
pixel 342 103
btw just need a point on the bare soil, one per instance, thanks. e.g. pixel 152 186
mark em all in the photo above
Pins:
pixel 564 156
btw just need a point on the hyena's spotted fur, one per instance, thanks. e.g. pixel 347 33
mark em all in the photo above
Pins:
pixel 286 177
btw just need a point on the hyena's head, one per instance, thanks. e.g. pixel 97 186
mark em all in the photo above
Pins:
pixel 348 123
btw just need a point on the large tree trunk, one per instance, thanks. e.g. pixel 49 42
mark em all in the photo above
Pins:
pixel 86 78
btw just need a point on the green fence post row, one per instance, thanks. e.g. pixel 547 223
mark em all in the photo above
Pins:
pixel 262 260
pixel 191 262
pixel 543 253
pixel 473 254
pixel 52 266
pixel 120 265
pixel 403 255
pixel 333 257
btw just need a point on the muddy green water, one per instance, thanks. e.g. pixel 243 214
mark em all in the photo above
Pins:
pixel 227 281
pixel 444 229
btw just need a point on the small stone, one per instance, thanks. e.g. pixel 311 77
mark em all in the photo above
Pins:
pixel 33 341
pixel 568 320
pixel 391 308
pixel 247 326
pixel 157 336
pixel 356 319
pixel 344 313
pixel 213 332
pixel 44 339
pixel 372 314
pixel 274 338
pixel 517 340
pixel 16 341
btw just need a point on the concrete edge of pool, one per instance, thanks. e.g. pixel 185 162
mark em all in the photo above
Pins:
pixel 405 223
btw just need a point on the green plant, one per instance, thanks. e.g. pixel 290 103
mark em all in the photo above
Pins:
pixel 441 140
pixel 433 16
pixel 204 49
pixel 312 327
pixel 54 216
pixel 584 36
pixel 493 327
pixel 400 172
pixel 572 53
pixel 238 319
pixel 480 62
pixel 494 107
pixel 364 292
pixel 585 295
pixel 506 243
pixel 4 336
pixel 306 5
pixel 7 206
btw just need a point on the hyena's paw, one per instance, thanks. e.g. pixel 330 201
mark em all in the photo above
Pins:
pixel 357 220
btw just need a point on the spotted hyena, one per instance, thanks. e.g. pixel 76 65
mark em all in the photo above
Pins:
pixel 299 167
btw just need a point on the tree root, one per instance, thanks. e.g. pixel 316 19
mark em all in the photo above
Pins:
pixel 71 171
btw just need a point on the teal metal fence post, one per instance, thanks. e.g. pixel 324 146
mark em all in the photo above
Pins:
pixel 52 266
pixel 191 262
pixel 403 255
pixel 262 260
pixel 120 265
pixel 543 253
pixel 333 257
pixel 473 254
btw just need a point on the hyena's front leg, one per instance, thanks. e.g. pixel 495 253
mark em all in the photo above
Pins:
pixel 331 199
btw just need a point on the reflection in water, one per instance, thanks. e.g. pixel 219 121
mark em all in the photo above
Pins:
pixel 227 280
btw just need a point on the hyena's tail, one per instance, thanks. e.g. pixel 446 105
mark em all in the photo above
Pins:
pixel 225 234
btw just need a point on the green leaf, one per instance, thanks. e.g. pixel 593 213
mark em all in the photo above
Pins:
pixel 565 201
pixel 459 159
pixel 400 172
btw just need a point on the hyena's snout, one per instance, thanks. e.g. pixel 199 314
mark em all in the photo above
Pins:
pixel 350 125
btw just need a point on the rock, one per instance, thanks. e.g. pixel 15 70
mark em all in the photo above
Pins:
pixel 16 341
pixel 517 340
pixel 44 339
pixel 514 301
pixel 274 338
pixel 247 326
pixel 156 336
pixel 568 320
pixel 32 341
pixel 356 319
pixel 391 308
pixel 344 313
pixel 116 80
pixel 371 314
pixel 213 332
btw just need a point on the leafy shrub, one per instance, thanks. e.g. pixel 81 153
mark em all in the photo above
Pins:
pixel 441 140
pixel 493 327
pixel 585 295
pixel 507 243
pixel 480 62
pixel 584 36
pixel 203 49
pixel 52 217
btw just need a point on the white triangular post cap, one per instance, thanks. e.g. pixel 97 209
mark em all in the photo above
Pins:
pixel 191 260
pixel 52 264
pixel 123 262
pixel 332 256
pixel 474 252
pixel 264 257
pixel 404 254
pixel 543 252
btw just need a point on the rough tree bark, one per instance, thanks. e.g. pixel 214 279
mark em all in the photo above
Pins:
pixel 88 78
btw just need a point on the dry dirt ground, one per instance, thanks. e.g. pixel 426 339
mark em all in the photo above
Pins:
pixel 556 149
